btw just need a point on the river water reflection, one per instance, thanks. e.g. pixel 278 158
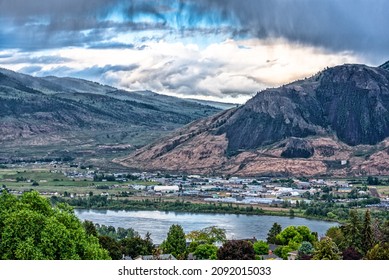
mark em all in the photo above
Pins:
pixel 158 223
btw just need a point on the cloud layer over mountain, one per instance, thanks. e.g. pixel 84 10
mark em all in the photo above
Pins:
pixel 215 48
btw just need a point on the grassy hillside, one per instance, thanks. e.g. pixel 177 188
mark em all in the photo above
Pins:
pixel 43 118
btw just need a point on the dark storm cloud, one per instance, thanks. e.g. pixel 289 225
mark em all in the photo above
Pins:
pixel 355 25
pixel 25 10
pixel 41 24
pixel 347 25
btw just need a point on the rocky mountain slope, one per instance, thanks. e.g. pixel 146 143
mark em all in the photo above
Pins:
pixel 40 117
pixel 334 123
pixel 385 65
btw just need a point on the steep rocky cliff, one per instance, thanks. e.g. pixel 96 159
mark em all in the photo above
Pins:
pixel 334 122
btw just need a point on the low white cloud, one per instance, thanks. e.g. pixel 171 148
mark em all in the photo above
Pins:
pixel 231 70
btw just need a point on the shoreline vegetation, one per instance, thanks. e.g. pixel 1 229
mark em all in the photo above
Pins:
pixel 189 207
pixel 30 222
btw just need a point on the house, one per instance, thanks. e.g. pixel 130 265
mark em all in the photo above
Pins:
pixel 292 255
pixel 156 257
pixel 270 257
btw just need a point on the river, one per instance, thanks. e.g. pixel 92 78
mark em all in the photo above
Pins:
pixel 158 222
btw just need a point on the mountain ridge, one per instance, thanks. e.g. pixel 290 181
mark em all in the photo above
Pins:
pixel 52 114
pixel 334 122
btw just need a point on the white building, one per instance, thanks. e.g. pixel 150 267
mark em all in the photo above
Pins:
pixel 166 189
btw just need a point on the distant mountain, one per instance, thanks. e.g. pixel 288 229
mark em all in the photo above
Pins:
pixel 385 65
pixel 215 104
pixel 41 117
pixel 333 123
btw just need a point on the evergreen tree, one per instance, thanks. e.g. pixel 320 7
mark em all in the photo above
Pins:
pixel 367 233
pixel 385 232
pixel 273 232
pixel 378 252
pixel 326 249
pixel 112 246
pixel 175 243
pixel 353 231
pixel 305 251
pixel 136 246
pixel 337 235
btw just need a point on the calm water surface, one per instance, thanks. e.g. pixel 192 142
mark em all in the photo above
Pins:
pixel 158 223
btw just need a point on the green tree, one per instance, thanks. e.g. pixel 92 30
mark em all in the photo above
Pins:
pixel 31 229
pixel 282 251
pixel 261 247
pixel 35 184
pixel 90 228
pixel 175 242
pixel 293 236
pixel 305 251
pixel 367 233
pixel 136 246
pixel 207 235
pixel 373 181
pixel 385 232
pixel 206 252
pixel 378 252
pixel 274 230
pixel 353 231
pixel 236 250
pixel 112 246
pixel 326 249
pixel 336 234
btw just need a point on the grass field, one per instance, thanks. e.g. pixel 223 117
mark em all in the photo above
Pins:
pixel 383 190
pixel 55 181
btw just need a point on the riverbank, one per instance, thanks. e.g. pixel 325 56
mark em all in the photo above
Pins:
pixel 158 222
pixel 184 206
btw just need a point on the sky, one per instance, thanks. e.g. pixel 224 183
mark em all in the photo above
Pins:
pixel 224 50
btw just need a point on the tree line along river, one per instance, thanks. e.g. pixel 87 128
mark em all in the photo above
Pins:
pixel 236 226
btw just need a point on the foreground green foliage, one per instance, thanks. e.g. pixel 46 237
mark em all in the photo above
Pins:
pixel 361 237
pixel 206 252
pixel 175 243
pixel 236 250
pixel 261 247
pixel 208 235
pixel 203 242
pixel 291 238
pixel 273 232
pixel 326 249
pixel 30 229
pixel 305 251
pixel 120 242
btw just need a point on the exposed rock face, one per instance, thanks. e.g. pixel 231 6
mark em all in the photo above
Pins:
pixel 350 101
pixel 297 148
pixel 332 123
pixel 355 99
